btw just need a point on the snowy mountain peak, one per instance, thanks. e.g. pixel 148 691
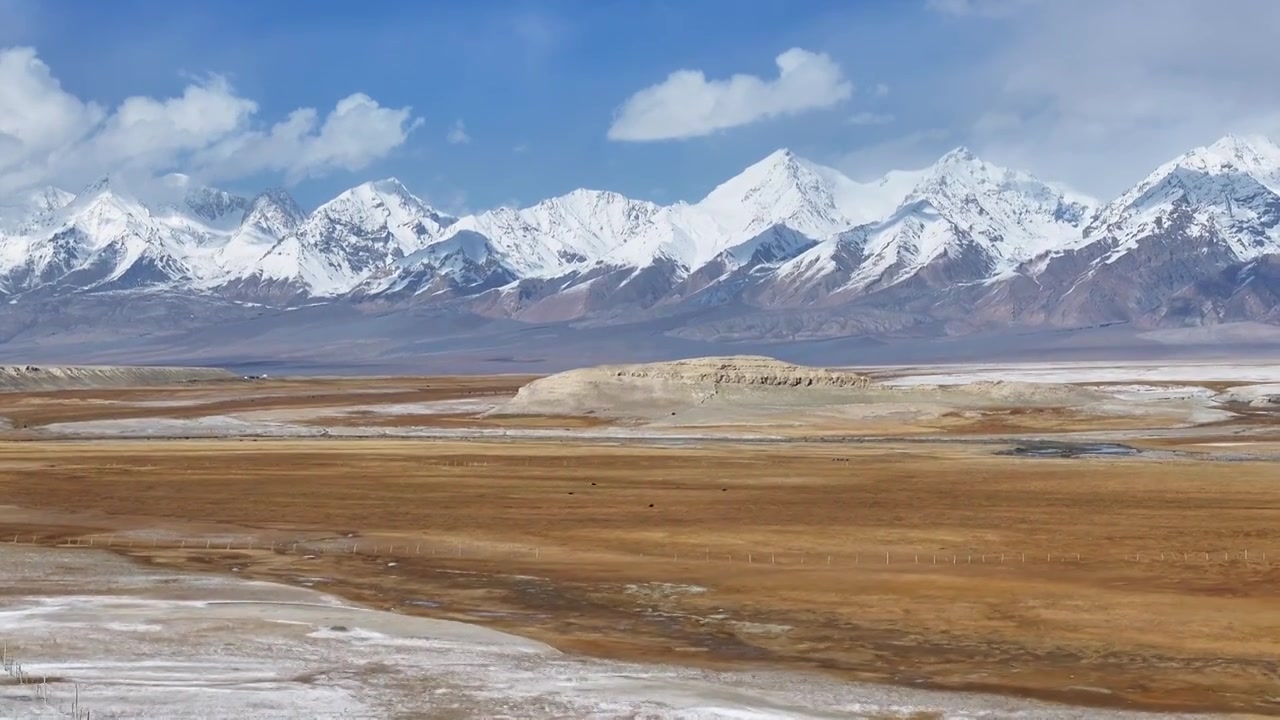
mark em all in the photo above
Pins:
pixel 1245 146
pixel 1252 155
pixel 361 231
pixel 388 188
pixel 48 199
pixel 97 186
pixel 976 219
pixel 384 206
pixel 1227 192
pixel 782 189
pixel 102 195
pixel 387 202
pixel 958 155
pixel 780 168
pixel 560 233
pixel 390 185
pixel 28 209
pixel 274 212
pixel 967 188
pixel 213 205
pixel 963 165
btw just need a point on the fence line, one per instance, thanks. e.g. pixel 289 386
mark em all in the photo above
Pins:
pixel 455 550
pixel 38 688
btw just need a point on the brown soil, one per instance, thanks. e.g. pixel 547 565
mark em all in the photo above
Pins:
pixel 31 409
pixel 365 418
pixel 1068 614
pixel 995 421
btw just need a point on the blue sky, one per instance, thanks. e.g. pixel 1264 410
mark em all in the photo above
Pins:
pixel 1092 93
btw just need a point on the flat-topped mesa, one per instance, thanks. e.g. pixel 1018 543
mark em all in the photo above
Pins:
pixel 746 370
pixel 661 389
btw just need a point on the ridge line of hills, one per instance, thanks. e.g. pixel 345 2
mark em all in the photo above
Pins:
pixel 786 250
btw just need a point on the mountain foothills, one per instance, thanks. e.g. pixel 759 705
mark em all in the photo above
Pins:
pixel 787 250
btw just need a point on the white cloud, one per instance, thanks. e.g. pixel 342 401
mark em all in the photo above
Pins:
pixel 907 152
pixel 688 105
pixel 980 8
pixel 37 117
pixel 48 135
pixel 355 133
pixel 458 134
pixel 870 118
pixel 1098 93
pixel 145 132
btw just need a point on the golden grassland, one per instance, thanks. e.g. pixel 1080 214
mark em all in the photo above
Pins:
pixel 32 409
pixel 609 521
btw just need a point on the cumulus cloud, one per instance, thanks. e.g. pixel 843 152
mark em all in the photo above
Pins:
pixel 351 136
pixel 458 134
pixel 48 135
pixel 688 105
pixel 37 117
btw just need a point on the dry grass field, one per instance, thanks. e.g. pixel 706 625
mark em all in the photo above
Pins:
pixel 1075 580
pixel 31 409
pixel 1102 629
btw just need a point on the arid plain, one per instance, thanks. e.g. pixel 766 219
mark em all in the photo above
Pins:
pixel 1098 538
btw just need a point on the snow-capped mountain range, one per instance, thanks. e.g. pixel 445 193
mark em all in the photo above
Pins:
pixel 957 246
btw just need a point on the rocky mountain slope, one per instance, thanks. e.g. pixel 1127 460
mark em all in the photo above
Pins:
pixel 787 249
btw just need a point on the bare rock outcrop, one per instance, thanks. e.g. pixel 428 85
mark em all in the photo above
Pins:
pixel 744 370
pixel 654 389
pixel 18 378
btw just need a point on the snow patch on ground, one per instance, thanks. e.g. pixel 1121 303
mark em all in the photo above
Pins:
pixel 226 648
pixel 248 425
pixel 1083 373
pixel 437 407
